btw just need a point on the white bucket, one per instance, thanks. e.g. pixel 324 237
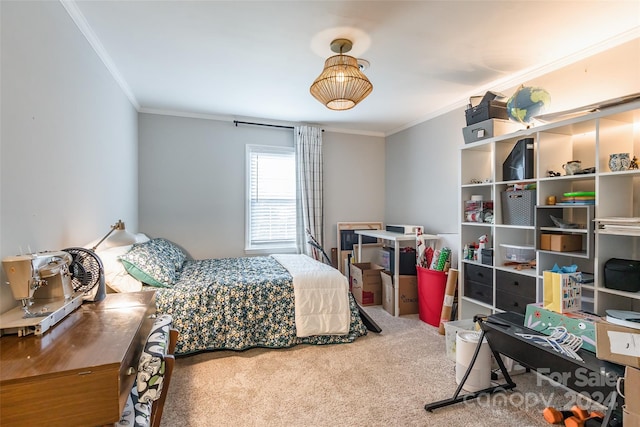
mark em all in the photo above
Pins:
pixel 480 375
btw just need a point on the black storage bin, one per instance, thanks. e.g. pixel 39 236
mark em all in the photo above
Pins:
pixel 407 261
pixel 486 256
pixel 488 108
pixel 478 283
pixel 622 274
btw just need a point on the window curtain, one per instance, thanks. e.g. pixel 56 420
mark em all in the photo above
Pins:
pixel 309 176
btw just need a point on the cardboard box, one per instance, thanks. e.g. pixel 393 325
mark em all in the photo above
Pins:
pixel 630 419
pixel 366 283
pixel 618 344
pixel 408 292
pixel 578 323
pixel 631 389
pixel 562 292
pixel 561 242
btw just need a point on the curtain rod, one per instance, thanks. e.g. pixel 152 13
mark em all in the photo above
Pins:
pixel 261 124
pixel 237 122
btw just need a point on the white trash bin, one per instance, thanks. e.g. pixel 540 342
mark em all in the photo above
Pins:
pixel 480 375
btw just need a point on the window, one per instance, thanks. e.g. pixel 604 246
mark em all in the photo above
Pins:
pixel 271 198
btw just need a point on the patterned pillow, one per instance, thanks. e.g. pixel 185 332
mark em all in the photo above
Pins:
pixel 152 366
pixel 148 263
pixel 171 250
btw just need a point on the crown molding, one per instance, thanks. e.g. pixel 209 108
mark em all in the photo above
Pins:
pixel 228 118
pixel 81 22
pixel 516 79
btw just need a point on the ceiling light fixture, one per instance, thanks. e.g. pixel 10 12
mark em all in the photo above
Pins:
pixel 342 84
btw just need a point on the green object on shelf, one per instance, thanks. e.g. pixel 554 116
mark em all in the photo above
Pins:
pixel 580 193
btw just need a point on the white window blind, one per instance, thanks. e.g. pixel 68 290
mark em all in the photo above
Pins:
pixel 271 218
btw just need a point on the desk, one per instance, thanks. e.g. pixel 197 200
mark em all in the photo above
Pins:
pixel 77 373
pixel 396 238
pixel 592 377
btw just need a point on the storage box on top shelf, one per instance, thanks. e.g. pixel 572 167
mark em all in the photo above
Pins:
pixel 618 344
pixel 488 129
pixel 578 323
pixel 366 284
pixel 492 106
pixel 407 290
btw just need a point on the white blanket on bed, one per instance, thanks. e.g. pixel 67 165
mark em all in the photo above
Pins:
pixel 321 296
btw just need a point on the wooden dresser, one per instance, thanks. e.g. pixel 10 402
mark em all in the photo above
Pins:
pixel 80 372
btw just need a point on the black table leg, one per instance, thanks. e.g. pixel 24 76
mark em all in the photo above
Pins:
pixel 457 398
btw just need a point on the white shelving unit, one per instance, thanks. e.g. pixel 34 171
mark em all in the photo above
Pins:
pixel 397 239
pixel 590 138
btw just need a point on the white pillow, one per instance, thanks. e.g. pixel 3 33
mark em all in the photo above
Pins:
pixel 115 275
pixel 141 238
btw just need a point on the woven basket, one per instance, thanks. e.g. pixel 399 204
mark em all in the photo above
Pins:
pixel 518 207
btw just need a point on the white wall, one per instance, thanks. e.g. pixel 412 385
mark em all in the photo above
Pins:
pixel 354 183
pixel 422 174
pixel 68 139
pixel 192 180
pixel 422 161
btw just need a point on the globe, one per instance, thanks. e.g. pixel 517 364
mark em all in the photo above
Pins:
pixel 526 103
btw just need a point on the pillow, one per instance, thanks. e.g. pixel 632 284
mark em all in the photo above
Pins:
pixel 141 238
pixel 115 275
pixel 154 262
pixel 171 250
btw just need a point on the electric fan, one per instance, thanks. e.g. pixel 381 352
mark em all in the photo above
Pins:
pixel 87 274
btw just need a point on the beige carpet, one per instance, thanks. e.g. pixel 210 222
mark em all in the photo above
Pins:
pixel 379 380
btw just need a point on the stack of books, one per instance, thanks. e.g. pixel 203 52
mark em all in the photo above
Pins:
pixel 578 198
pixel 625 225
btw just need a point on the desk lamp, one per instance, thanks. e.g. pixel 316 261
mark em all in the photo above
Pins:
pixel 118 236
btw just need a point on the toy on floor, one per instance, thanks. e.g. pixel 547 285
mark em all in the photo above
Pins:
pixel 576 417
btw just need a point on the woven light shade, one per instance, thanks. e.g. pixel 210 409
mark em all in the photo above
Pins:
pixel 341 85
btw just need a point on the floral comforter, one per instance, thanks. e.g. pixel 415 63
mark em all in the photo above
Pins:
pixel 239 303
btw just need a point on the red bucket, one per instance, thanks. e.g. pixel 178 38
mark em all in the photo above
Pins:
pixel 431 287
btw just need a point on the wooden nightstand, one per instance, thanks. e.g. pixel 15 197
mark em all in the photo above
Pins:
pixel 80 372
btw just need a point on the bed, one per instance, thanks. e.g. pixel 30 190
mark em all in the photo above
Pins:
pixel 276 301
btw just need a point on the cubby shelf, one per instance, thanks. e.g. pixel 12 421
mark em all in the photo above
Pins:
pixel 590 138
